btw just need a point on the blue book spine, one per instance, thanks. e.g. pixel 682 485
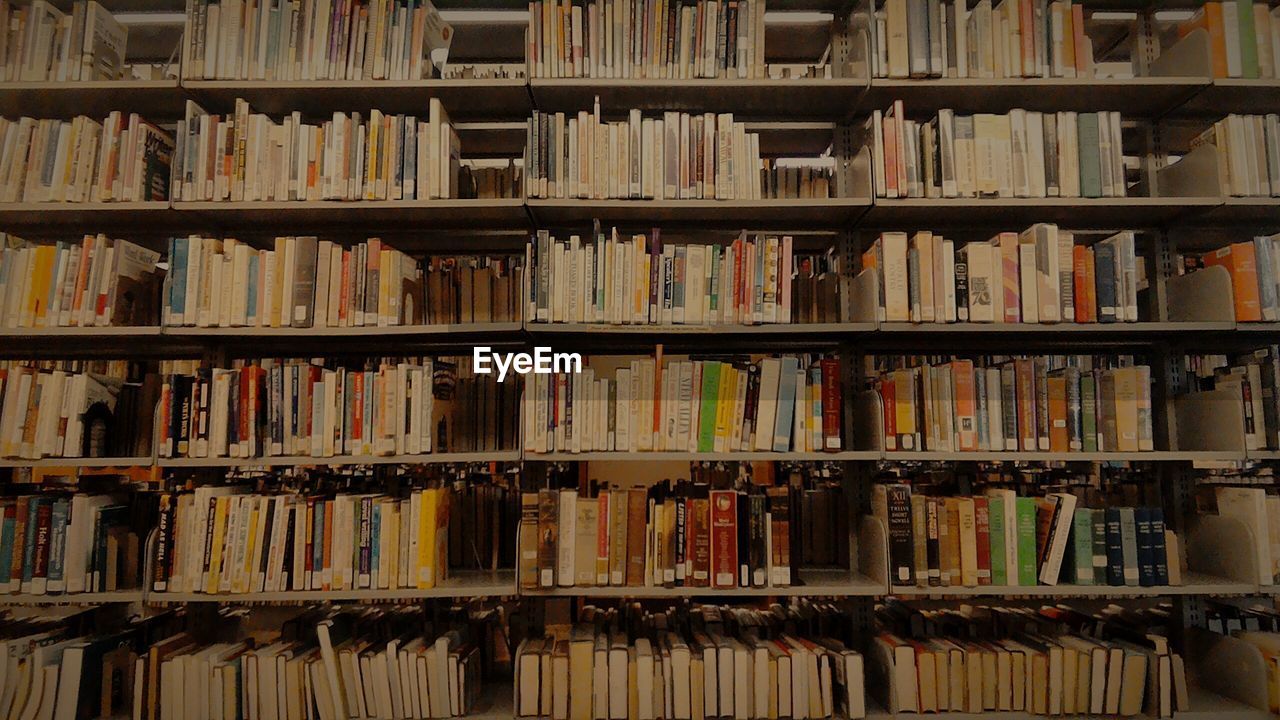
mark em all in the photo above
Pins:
pixel 1104 260
pixel 1115 549
pixel 178 284
pixel 1159 552
pixel 29 546
pixel 6 547
pixel 58 521
pixel 252 313
pixel 375 555
pixel 366 538
pixel 317 545
pixel 786 404
pixel 1146 549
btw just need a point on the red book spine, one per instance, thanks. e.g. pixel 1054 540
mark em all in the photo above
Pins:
pixel 242 412
pixel 982 530
pixel 832 404
pixel 1080 276
pixel 356 431
pixel 40 559
pixel 724 538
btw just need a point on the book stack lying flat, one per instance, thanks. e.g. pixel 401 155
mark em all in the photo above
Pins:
pixel 76 409
pixel 1040 275
pixel 474 289
pixel 675 156
pixel 698 662
pixel 1044 403
pixel 323 663
pixel 247 156
pixel 686 535
pixel 297 408
pixel 1248 153
pixel 97 282
pixel 56 544
pixel 227 540
pixel 1015 38
pixel 1002 539
pixel 640 280
pixel 303 282
pixel 633 39
pixel 314 40
pixel 1244 37
pixel 778 404
pixel 1253 376
pixel 1022 153
pixel 1260 512
pixel 39 42
pixel 121 159
pixel 1052 661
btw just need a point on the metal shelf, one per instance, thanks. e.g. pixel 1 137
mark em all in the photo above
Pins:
pixel 1263 212
pixel 257 334
pixel 97 215
pixel 824 213
pixel 841 583
pixel 847 455
pixel 154 100
pixel 1195 584
pixel 80 462
pixel 1143 97
pixel 1038 456
pixel 487 214
pixel 1234 95
pixel 799 98
pixel 306 461
pixel 85 598
pixel 464 99
pixel 1079 213
pixel 463 585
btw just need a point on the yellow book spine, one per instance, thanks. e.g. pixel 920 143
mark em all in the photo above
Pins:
pixel 215 554
pixel 426 537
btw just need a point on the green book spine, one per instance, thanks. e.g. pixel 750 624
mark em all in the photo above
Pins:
pixel 707 408
pixel 1026 541
pixel 1099 547
pixel 999 569
pixel 1088 412
pixel 1248 39
pixel 1090 162
pixel 1082 542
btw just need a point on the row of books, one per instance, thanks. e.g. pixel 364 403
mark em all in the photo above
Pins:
pixel 313 40
pixel 247 156
pixel 633 39
pixel 1043 403
pixel 1253 378
pixel 681 535
pixel 1248 153
pixel 55 544
pixel 228 540
pixel 1244 37
pixel 776 404
pixel 1050 661
pixel 673 156
pixel 75 409
pixel 474 289
pixel 692 664
pixel 96 282
pixel 40 42
pixel 1022 153
pixel 1040 275
pixel 121 159
pixel 643 281
pixel 1015 38
pixel 1002 539
pixel 303 282
pixel 1254 267
pixel 324 663
pixel 274 407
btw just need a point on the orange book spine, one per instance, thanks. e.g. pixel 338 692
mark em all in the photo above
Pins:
pixel 1091 285
pixel 1240 261
pixel 1026 394
pixel 1083 50
pixel 966 404
pixel 1080 282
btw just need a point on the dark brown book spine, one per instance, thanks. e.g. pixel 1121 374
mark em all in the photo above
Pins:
pixel 700 538
pixel 637 522
pixel 832 405
pixel 548 530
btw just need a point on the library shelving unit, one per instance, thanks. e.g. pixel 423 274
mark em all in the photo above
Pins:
pixel 1176 200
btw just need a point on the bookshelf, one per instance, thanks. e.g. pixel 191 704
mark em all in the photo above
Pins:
pixel 1178 205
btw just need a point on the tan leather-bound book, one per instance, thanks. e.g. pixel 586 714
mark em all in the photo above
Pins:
pixel 636 525
pixel 548 531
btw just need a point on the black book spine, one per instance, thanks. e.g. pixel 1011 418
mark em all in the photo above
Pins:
pixel 1146 547
pixel 1115 549
pixel 1159 552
